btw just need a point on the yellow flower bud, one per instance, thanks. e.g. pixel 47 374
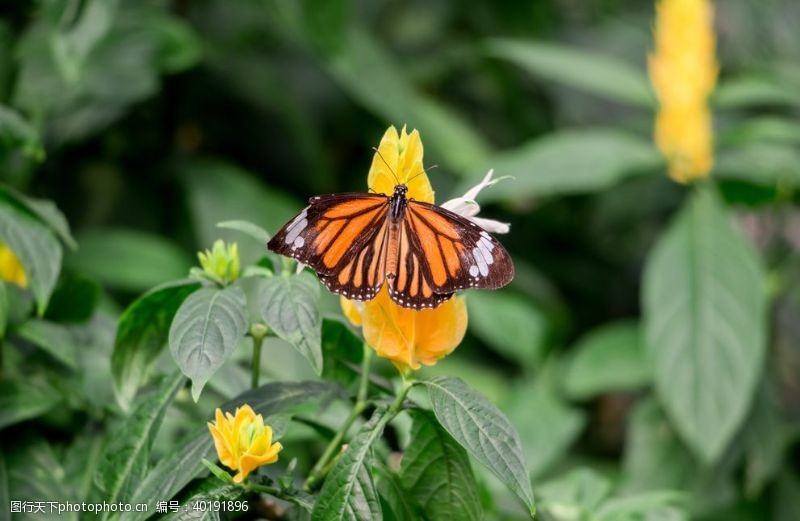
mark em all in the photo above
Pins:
pixel 404 336
pixel 242 441
pixel 10 267
pixel 221 262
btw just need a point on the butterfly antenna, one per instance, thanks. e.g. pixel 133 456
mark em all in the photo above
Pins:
pixel 387 164
pixel 426 170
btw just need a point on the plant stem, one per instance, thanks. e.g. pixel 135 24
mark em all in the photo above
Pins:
pixel 256 364
pixel 319 469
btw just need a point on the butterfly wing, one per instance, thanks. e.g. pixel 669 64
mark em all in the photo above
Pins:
pixel 344 238
pixel 441 252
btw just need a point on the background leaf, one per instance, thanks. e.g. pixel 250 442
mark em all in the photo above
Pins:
pixel 206 329
pixel 44 210
pixel 23 400
pixel 484 431
pixel 611 358
pixel 37 250
pixel 142 333
pixel 436 474
pixel 290 307
pixel 704 310
pixel 54 339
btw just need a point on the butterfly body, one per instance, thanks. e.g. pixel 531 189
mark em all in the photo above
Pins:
pixel 357 242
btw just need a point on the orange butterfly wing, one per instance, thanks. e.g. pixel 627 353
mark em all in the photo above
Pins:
pixel 441 252
pixel 344 238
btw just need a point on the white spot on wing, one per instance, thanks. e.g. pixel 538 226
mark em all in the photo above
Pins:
pixel 473 271
pixel 482 265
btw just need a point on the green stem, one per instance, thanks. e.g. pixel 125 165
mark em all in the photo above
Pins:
pixel 319 469
pixel 258 341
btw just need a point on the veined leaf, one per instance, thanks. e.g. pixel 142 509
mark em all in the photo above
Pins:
pixel 184 463
pixel 125 458
pixel 142 333
pixel 705 323
pixel 611 358
pixel 45 210
pixel 37 250
pixel 593 72
pixel 436 473
pixel 206 329
pixel 483 430
pixel 349 493
pixel 395 502
pixel 565 162
pixel 290 307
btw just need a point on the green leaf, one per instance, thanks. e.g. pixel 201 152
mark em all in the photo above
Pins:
pixel 183 464
pixel 3 309
pixel 610 358
pixel 593 72
pixel 575 495
pixel 326 23
pixel 566 162
pixel 349 493
pixel 205 331
pixel 547 425
pixel 395 502
pixel 763 129
pixel 483 430
pixel 194 502
pixel 128 260
pixel 342 352
pixel 54 339
pixel 15 132
pixel 753 91
pixel 655 506
pixel 290 307
pixel 767 164
pixel 765 440
pixel 787 501
pixel 125 458
pixel 46 211
pixel 179 47
pixel 390 95
pixel 705 323
pixel 142 333
pixel 436 473
pixel 508 323
pixel 253 230
pixel 22 400
pixel 37 250
pixel 5 499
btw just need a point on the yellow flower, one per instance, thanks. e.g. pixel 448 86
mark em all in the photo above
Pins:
pixel 683 71
pixel 405 336
pixel 10 267
pixel 221 262
pixel 243 442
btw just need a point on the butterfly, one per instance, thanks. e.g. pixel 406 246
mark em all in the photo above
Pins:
pixel 357 242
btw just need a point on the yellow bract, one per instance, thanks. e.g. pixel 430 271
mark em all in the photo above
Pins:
pixel 405 336
pixel 221 262
pixel 10 267
pixel 243 442
pixel 683 71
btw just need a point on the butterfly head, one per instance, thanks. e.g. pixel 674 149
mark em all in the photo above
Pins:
pixel 400 190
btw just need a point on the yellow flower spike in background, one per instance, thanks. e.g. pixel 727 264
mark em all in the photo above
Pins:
pixel 683 71
pixel 405 336
pixel 242 441
pixel 10 267
pixel 221 262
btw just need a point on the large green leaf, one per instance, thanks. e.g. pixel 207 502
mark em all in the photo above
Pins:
pixel 125 458
pixel 567 161
pixel 349 493
pixel 575 495
pixel 343 352
pixel 436 473
pixel 591 71
pixel 705 323
pixel 290 307
pixel 22 400
pixel 769 164
pixel 390 95
pixel 205 331
pixel 654 506
pixel 395 501
pixel 142 333
pixel 753 91
pixel 36 248
pixel 610 358
pixel 54 339
pixel 45 210
pixel 483 430
pixel 510 324
pixel 183 464
pixel 128 260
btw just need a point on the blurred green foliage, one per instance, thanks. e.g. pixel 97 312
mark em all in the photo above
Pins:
pixel 636 395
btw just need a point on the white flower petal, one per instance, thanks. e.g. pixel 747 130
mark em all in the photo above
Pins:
pixel 490 225
pixel 463 207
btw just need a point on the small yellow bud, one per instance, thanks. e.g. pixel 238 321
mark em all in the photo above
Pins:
pixel 221 262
